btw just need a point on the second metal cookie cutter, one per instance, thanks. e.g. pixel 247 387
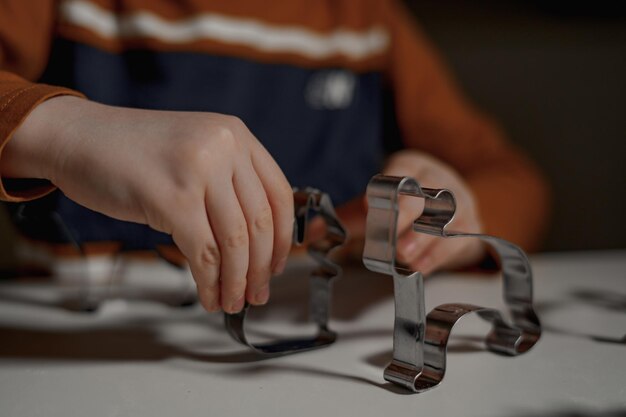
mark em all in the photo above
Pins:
pixel 420 341
pixel 308 204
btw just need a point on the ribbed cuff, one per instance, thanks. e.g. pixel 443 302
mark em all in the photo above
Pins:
pixel 18 98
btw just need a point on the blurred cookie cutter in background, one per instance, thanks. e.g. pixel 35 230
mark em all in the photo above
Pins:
pixel 308 204
pixel 420 341
pixel 89 295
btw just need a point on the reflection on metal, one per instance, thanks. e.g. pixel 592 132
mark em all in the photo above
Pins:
pixel 420 341
pixel 309 204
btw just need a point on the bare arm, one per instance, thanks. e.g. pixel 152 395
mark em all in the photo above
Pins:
pixel 201 177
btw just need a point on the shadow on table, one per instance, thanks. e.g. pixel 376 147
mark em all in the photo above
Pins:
pixel 136 339
pixel 273 368
pixel 139 339
pixel 600 299
pixel 75 304
pixel 354 292
pixel 113 344
pixel 140 343
pixel 606 300
pixel 573 413
pixel 458 344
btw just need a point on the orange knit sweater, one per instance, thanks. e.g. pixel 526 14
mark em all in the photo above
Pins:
pixel 361 36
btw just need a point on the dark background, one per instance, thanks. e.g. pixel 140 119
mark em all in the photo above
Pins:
pixel 554 75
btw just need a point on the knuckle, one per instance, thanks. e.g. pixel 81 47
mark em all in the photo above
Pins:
pixel 210 256
pixel 235 122
pixel 207 141
pixel 236 127
pixel 264 221
pixel 227 136
pixel 238 239
pixel 224 136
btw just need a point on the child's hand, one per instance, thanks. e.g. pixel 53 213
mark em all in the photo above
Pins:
pixel 421 252
pixel 201 177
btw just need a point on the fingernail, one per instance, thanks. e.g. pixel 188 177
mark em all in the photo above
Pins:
pixel 279 268
pixel 262 295
pixel 237 306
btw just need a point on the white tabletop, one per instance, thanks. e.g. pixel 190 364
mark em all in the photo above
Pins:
pixel 141 358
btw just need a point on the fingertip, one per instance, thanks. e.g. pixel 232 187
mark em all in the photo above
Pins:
pixel 426 264
pixel 209 299
pixel 406 249
pixel 257 288
pixel 236 306
pixel 279 266
pixel 261 296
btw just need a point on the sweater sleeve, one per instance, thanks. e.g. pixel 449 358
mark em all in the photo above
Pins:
pixel 511 193
pixel 25 36
pixel 18 98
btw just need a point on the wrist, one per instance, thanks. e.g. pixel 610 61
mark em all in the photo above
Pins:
pixel 34 149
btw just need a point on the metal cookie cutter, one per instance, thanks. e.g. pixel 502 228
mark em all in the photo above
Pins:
pixel 307 204
pixel 420 341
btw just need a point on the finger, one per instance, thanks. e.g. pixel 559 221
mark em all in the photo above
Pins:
pixel 280 198
pixel 411 245
pixel 410 208
pixel 196 241
pixel 441 252
pixel 258 214
pixel 354 213
pixel 231 232
pixel 405 164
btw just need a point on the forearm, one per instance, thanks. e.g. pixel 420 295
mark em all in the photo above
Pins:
pixel 33 148
pixel 24 147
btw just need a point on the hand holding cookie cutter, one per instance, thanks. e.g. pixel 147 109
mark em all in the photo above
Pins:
pixel 307 204
pixel 420 341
